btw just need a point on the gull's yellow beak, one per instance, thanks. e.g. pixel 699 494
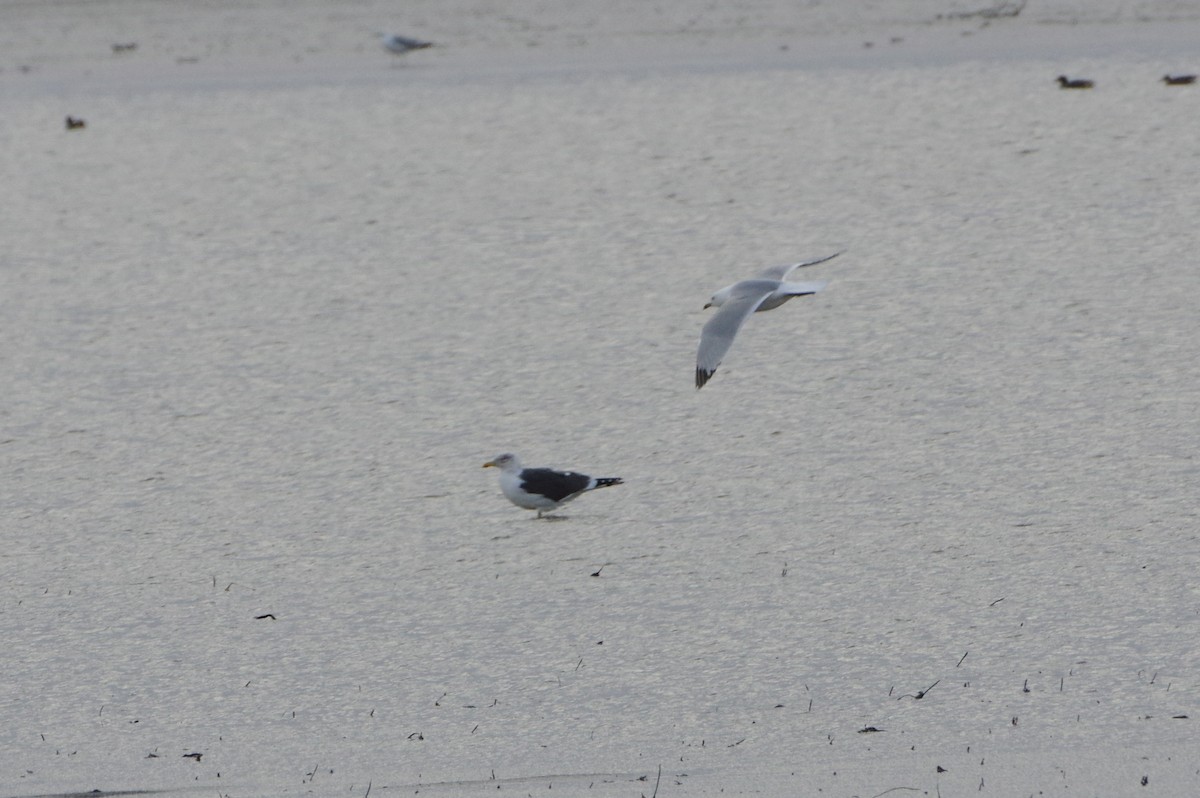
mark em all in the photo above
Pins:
pixel 490 464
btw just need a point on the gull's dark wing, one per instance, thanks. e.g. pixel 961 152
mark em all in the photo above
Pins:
pixel 554 485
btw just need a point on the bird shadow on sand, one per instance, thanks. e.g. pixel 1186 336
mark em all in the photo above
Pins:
pixel 543 519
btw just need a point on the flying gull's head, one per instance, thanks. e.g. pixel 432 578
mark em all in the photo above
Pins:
pixel 721 297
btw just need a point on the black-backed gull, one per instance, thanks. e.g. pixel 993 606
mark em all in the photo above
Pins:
pixel 543 489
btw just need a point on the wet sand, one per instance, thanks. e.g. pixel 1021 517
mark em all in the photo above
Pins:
pixel 268 313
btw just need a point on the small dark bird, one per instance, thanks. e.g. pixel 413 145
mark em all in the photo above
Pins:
pixel 1179 80
pixel 75 124
pixel 1074 83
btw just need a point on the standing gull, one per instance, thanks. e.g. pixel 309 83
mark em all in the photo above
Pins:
pixel 543 489
pixel 395 43
pixel 767 291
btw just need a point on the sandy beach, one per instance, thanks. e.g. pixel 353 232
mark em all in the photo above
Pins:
pixel 933 531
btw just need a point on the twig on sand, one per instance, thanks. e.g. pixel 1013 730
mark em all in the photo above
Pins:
pixel 964 656
pixel 920 694
pixel 893 789
pixel 368 792
pixel 656 781
pixel 1004 8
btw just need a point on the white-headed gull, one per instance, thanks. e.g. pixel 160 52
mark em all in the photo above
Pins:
pixel 543 489
pixel 767 291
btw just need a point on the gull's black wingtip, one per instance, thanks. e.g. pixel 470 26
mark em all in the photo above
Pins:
pixel 702 377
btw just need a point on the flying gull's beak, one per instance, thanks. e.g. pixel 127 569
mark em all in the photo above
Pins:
pixel 490 464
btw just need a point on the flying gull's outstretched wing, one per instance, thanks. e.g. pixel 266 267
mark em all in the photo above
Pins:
pixel 718 333
pixel 782 272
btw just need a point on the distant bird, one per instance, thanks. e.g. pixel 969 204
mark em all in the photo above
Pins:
pixel 1074 83
pixel 767 291
pixel 543 489
pixel 1179 80
pixel 399 45
pixel 75 124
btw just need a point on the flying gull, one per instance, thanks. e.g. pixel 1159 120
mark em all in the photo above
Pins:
pixel 395 43
pixel 543 489
pixel 767 291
